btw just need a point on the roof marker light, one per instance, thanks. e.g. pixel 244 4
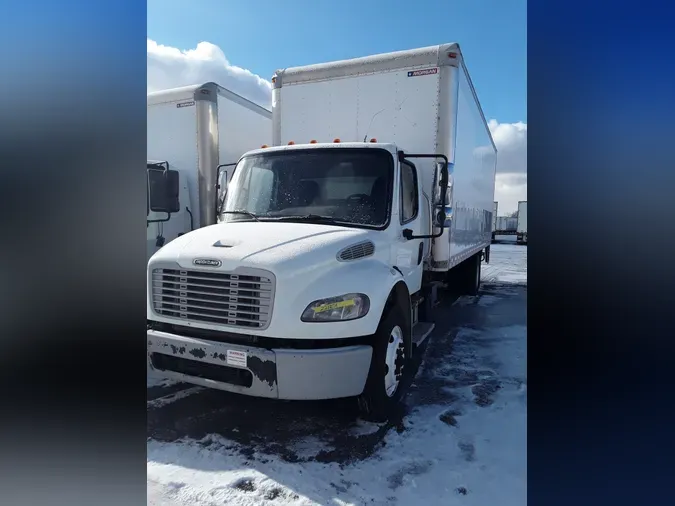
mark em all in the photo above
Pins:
pixel 373 139
pixel 263 146
pixel 313 141
pixel 290 143
pixel 336 140
pixel 452 55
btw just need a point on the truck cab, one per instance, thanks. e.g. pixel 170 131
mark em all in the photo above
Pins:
pixel 319 248
pixel 364 192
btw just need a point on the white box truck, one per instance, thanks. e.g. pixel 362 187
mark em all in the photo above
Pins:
pixel 521 230
pixel 191 132
pixel 321 277
pixel 494 222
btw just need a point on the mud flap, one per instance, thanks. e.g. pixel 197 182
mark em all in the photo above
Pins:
pixel 421 332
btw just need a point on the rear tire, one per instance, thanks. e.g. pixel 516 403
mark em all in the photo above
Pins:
pixel 390 367
pixel 472 275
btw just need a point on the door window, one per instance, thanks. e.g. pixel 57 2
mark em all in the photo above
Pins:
pixel 409 202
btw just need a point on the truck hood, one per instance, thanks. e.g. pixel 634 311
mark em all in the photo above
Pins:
pixel 261 244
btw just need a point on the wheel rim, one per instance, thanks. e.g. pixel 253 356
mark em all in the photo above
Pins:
pixel 394 361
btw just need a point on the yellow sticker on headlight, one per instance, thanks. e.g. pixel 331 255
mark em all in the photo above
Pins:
pixel 334 305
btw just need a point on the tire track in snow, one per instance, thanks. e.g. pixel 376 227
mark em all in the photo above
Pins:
pixel 172 397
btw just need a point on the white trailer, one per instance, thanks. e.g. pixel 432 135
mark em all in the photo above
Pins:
pixel 191 132
pixel 320 280
pixel 521 227
pixel 494 221
pixel 506 225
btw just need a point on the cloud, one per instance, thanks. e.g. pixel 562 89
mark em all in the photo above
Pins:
pixel 511 184
pixel 169 67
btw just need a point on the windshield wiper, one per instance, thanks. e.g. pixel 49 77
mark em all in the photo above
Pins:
pixel 242 211
pixel 308 217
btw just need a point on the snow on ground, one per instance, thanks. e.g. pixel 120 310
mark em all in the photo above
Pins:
pixel 508 262
pixel 460 440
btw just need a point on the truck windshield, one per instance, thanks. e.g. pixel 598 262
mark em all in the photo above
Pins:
pixel 341 186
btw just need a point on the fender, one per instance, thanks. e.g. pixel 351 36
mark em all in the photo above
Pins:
pixel 369 276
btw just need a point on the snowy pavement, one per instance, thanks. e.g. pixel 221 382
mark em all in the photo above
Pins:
pixel 460 438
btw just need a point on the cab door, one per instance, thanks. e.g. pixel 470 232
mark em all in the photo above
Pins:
pixel 410 253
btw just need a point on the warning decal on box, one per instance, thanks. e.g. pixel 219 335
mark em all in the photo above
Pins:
pixel 425 72
pixel 236 358
pixel 186 104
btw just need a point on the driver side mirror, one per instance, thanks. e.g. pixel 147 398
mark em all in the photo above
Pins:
pixel 221 190
pixel 164 190
pixel 222 182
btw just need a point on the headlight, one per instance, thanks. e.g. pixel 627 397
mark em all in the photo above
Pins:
pixel 337 309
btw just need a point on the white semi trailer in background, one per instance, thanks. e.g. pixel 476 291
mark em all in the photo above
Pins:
pixel 494 221
pixel 521 227
pixel 321 277
pixel 506 225
pixel 191 132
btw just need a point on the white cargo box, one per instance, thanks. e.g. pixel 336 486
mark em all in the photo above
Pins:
pixel 196 129
pixel 421 100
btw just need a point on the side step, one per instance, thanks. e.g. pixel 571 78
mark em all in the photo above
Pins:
pixel 421 331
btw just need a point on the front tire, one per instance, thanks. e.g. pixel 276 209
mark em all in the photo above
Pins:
pixel 390 366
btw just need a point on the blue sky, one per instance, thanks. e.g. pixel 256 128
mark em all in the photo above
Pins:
pixel 264 35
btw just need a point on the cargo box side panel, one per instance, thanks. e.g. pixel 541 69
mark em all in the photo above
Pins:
pixel 395 106
pixel 473 177
pixel 240 129
pixel 172 137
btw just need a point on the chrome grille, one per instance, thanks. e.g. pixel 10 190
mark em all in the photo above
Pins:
pixel 355 251
pixel 236 300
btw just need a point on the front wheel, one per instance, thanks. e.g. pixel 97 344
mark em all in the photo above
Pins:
pixel 389 367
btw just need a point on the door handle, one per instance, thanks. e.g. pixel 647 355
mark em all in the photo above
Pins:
pixel 420 254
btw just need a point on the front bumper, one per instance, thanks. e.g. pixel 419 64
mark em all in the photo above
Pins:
pixel 275 373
